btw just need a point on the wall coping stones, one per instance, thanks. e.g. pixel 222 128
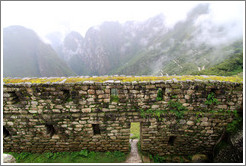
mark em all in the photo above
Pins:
pixel 121 79
pixel 29 84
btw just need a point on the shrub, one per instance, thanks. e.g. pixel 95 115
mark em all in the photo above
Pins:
pixel 159 95
pixel 211 99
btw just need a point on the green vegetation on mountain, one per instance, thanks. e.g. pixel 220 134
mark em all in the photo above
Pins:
pixel 231 66
pixel 180 51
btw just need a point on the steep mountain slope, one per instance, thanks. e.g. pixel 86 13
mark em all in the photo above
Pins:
pixel 25 55
pixel 231 66
pixel 149 47
pixel 107 47
pixel 180 51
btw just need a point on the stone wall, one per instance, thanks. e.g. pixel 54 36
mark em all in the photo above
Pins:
pixel 97 116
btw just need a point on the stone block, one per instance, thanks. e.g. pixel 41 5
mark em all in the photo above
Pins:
pixel 187 97
pixel 55 137
pixel 84 88
pixel 177 91
pixel 231 103
pixel 150 86
pixel 190 123
pixel 74 110
pixel 90 99
pixel 33 111
pixel 86 110
pixel 186 104
pixel 99 92
pixel 222 106
pixel 190 92
pixel 81 92
pixel 106 100
pixel 204 119
pixel 205 123
pixel 56 111
pixel 155 106
pixel 10 123
pixel 7 158
pixel 91 91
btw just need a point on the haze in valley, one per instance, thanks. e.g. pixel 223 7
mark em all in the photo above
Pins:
pixel 131 38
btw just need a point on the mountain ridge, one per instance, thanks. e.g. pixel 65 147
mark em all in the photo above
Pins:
pixel 143 48
pixel 25 55
pixel 151 48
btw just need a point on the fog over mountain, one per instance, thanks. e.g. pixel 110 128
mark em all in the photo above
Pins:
pixel 149 47
pixel 25 55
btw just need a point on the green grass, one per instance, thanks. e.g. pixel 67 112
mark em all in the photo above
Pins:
pixel 83 156
pixel 135 130
pixel 114 98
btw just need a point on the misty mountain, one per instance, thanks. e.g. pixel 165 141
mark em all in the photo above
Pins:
pixel 194 45
pixel 150 47
pixel 182 49
pixel 107 47
pixel 25 55
pixel 228 67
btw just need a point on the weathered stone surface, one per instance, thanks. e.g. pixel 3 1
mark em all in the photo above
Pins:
pixel 237 140
pixel 199 158
pixel 229 154
pixel 204 124
pixel 232 151
pixel 155 106
pixel 68 117
pixel 187 97
pixel 10 123
pixel 204 119
pixel 91 91
pixel 190 92
pixel 190 123
pixel 7 158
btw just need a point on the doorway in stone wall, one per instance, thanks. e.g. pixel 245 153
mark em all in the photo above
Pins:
pixel 135 130
pixel 135 133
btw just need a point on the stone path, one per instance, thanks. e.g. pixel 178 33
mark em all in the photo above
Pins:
pixel 134 156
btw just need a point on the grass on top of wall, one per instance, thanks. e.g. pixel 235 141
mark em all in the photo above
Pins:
pixel 120 78
pixel 83 156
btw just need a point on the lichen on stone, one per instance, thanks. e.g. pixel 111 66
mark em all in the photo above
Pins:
pixel 102 79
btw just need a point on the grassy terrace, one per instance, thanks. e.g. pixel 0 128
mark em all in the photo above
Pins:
pixel 119 78
pixel 82 156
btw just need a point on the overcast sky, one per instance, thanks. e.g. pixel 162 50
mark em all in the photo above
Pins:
pixel 45 17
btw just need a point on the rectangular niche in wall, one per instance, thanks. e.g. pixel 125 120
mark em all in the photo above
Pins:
pixel 50 129
pixel 96 129
pixel 15 97
pixel 66 95
pixel 114 95
pixel 160 94
pixel 171 140
pixel 5 132
pixel 114 92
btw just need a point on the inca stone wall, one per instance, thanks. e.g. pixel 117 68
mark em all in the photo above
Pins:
pixel 75 116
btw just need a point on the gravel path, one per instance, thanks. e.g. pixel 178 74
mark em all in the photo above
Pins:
pixel 134 157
